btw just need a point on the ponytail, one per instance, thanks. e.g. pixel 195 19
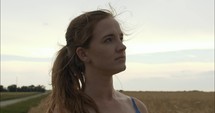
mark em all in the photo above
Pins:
pixel 68 83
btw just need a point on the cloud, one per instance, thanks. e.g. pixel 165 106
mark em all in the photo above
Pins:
pixel 198 55
pixel 193 74
pixel 203 81
pixel 6 58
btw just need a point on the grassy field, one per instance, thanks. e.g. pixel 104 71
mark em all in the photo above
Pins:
pixel 22 107
pixel 167 102
pixel 14 95
pixel 177 102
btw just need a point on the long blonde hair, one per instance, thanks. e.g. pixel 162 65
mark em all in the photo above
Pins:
pixel 68 80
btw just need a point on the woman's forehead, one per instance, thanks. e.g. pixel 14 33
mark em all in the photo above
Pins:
pixel 107 25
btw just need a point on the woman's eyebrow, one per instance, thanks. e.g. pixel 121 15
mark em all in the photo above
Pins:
pixel 111 34
pixel 108 35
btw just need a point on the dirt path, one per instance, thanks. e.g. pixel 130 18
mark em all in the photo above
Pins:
pixel 9 102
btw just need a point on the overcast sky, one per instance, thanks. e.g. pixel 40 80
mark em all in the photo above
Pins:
pixel 170 45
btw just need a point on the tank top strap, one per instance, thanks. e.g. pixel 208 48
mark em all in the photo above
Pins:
pixel 135 106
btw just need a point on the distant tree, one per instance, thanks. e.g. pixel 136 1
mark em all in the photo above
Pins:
pixel 31 88
pixel 121 90
pixel 2 89
pixel 18 89
pixel 12 88
pixel 40 88
pixel 24 89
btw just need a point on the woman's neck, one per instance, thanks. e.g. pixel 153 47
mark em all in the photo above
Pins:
pixel 99 87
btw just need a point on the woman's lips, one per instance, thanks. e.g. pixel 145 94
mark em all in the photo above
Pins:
pixel 120 58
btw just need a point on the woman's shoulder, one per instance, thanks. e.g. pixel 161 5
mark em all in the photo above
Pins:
pixel 141 106
pixel 122 96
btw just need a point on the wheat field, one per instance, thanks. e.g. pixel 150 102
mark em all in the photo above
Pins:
pixel 166 102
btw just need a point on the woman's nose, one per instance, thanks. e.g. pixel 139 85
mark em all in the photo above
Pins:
pixel 121 47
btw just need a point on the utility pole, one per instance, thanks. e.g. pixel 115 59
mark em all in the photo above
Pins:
pixel 16 83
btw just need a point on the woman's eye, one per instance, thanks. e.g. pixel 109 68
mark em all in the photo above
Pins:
pixel 108 40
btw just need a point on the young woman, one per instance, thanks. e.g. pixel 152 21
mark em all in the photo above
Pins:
pixel 83 70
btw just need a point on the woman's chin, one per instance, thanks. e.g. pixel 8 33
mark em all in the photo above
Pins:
pixel 123 68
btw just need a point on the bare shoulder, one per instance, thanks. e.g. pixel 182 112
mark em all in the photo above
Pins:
pixel 122 96
pixel 141 106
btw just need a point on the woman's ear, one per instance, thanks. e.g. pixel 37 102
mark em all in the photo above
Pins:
pixel 81 52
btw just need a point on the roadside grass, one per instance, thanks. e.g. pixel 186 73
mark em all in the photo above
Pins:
pixel 41 107
pixel 14 95
pixel 22 107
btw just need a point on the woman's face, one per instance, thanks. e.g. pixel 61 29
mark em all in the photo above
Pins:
pixel 107 51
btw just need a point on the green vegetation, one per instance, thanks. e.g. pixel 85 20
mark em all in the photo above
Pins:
pixel 31 88
pixel 15 95
pixel 22 107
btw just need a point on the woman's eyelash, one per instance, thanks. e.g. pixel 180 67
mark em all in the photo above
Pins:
pixel 122 39
pixel 108 40
pixel 111 37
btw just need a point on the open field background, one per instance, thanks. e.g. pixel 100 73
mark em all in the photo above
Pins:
pixel 15 95
pixel 177 102
pixel 24 106
pixel 166 102
pixel 156 102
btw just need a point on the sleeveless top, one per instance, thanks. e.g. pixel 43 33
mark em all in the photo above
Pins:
pixel 135 106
